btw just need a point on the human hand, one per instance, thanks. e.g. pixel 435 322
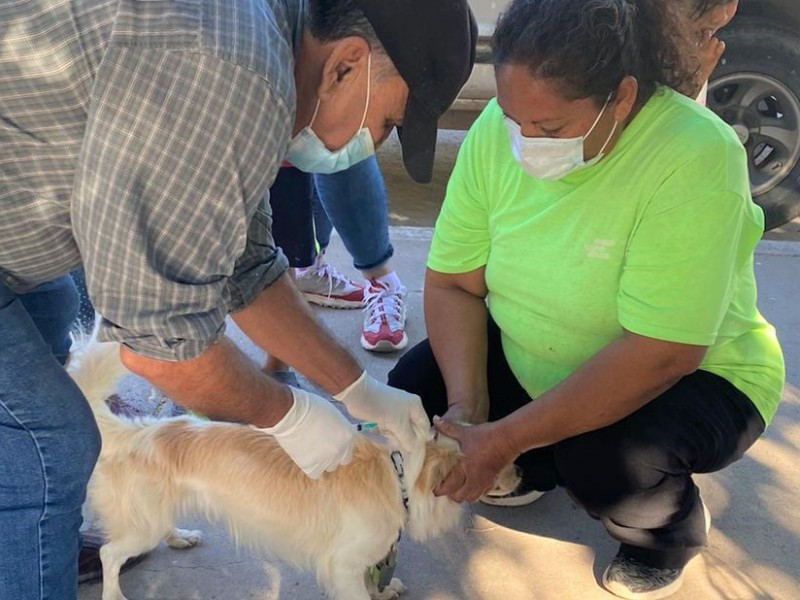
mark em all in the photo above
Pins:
pixel 707 54
pixel 484 455
pixel 463 414
pixel 398 414
pixel 315 435
pixel 709 50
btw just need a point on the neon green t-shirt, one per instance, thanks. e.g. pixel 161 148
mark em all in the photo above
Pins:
pixel 656 238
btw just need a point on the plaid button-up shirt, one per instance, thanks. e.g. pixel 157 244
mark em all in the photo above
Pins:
pixel 138 138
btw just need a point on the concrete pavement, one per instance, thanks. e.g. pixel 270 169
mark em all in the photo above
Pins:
pixel 549 550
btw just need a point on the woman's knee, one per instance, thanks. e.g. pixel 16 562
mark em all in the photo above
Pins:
pixel 600 469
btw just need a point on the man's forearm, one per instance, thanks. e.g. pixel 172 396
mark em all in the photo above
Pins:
pixel 222 383
pixel 280 321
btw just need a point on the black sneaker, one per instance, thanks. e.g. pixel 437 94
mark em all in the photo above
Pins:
pixel 628 578
pixel 511 489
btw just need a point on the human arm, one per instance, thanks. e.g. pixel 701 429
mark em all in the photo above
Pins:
pixel 618 380
pixel 224 384
pixel 281 322
pixel 455 317
pixel 709 50
pixel 221 383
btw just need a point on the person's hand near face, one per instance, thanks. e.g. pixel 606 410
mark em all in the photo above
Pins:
pixel 710 50
pixel 704 28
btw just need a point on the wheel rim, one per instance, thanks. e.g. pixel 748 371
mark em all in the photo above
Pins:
pixel 766 116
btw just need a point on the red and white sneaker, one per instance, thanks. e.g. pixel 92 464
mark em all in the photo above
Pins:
pixel 324 285
pixel 385 320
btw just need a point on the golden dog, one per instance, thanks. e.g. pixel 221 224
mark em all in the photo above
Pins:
pixel 151 472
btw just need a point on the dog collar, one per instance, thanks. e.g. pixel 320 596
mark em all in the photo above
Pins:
pixel 397 461
pixel 382 573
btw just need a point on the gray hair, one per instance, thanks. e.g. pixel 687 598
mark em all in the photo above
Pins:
pixel 332 20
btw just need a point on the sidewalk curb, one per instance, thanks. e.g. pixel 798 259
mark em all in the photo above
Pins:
pixel 405 232
pixel 778 248
pixel 765 247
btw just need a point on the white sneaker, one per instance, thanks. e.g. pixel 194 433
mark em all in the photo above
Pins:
pixel 385 320
pixel 324 285
pixel 511 489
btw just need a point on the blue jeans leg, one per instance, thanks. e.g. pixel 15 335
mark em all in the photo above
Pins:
pixel 53 307
pixel 322 224
pixel 48 446
pixel 355 202
pixel 86 315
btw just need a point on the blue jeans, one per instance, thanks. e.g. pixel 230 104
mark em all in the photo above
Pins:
pixel 354 202
pixel 85 321
pixel 48 445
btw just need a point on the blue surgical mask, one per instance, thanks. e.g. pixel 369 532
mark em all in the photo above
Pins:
pixel 308 153
pixel 553 158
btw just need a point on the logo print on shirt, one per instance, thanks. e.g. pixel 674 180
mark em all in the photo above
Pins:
pixel 600 249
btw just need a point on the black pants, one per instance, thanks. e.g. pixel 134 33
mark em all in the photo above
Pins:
pixel 635 476
pixel 291 198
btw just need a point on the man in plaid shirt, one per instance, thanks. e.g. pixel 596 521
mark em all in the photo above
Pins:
pixel 138 140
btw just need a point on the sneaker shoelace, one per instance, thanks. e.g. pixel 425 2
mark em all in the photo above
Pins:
pixel 384 302
pixel 334 277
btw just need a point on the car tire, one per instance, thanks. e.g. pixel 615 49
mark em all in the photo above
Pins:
pixel 756 89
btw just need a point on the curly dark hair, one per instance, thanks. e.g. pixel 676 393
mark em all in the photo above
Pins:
pixel 701 7
pixel 588 46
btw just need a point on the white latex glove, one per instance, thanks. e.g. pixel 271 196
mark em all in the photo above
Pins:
pixel 315 434
pixel 398 414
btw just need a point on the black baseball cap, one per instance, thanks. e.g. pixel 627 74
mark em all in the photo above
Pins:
pixel 432 45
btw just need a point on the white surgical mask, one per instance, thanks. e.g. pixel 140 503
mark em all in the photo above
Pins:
pixel 553 158
pixel 308 153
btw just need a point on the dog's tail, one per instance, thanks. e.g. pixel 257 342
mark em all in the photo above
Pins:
pixel 96 367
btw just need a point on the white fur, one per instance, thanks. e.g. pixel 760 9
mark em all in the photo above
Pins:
pixel 151 472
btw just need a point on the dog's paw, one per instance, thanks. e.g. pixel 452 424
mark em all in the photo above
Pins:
pixel 183 538
pixel 391 591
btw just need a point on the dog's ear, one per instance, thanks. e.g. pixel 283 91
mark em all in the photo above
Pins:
pixel 430 515
pixel 440 458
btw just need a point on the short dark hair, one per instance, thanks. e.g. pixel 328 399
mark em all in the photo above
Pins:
pixel 331 20
pixel 589 46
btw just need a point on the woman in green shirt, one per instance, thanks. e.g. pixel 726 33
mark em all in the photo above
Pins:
pixel 601 224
